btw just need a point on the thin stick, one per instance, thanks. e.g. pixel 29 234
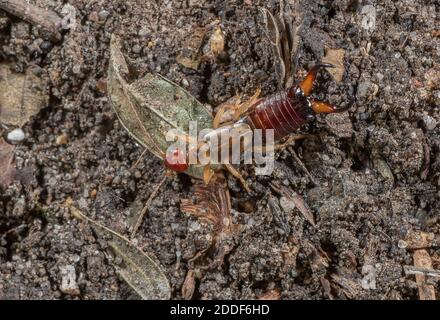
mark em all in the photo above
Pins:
pixel 140 158
pixel 301 164
pixel 147 205
pixel 422 271
pixel 47 20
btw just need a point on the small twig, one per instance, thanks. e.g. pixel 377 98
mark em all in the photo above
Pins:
pixel 409 270
pixel 301 164
pixel 139 159
pixel 147 205
pixel 47 20
pixel 426 163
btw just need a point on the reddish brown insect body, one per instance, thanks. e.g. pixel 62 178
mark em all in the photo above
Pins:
pixel 284 112
pixel 288 110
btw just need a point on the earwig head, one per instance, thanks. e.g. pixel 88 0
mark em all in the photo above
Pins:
pixel 176 160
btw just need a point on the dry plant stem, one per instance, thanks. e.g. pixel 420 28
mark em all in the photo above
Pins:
pixel 47 20
pixel 140 158
pixel 147 205
pixel 421 271
pixel 301 164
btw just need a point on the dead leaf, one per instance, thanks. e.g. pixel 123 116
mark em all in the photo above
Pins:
pixel 283 34
pixel 150 107
pixel 270 295
pixel 138 270
pixel 190 55
pixel 7 169
pixel 189 285
pixel 436 33
pixel 213 206
pixel 336 58
pixel 21 96
pixel 291 200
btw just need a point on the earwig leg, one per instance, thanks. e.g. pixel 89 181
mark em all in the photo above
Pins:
pixel 244 107
pixel 282 146
pixel 238 176
pixel 307 84
pixel 208 173
pixel 289 141
pixel 325 107
pixel 223 108
pixel 236 109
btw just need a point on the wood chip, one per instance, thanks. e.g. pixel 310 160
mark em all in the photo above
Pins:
pixel 189 285
pixel 422 260
pixel 335 57
pixel 270 295
pixel 47 20
pixel 7 169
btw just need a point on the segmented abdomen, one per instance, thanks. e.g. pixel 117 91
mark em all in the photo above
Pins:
pixel 279 112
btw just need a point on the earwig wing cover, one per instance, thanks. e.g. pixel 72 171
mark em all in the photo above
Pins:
pixel 151 106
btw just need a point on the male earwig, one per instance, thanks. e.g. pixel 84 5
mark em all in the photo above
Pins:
pixel 288 110
pixel 284 112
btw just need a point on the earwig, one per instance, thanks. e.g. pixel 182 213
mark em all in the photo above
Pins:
pixel 286 111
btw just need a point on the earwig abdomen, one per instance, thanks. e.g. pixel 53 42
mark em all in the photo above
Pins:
pixel 284 112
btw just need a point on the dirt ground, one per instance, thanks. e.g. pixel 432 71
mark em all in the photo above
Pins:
pixel 376 168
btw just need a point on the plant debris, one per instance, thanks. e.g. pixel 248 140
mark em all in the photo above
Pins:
pixel 21 96
pixel 213 206
pixel 138 270
pixel 7 169
pixel 336 58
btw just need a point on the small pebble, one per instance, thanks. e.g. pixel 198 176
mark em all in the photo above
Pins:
pixel 402 244
pixel 136 48
pixel 46 46
pixel 429 122
pixel 93 16
pixel 16 136
pixel 68 280
pixel 103 14
pixel 368 17
pixel 62 139
pixel 93 193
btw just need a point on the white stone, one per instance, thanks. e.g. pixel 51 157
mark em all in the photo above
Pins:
pixel 68 280
pixel 368 17
pixel 16 136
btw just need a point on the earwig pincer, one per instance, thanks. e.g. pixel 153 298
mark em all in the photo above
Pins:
pixel 286 111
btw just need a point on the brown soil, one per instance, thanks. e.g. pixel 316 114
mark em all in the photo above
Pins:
pixel 376 167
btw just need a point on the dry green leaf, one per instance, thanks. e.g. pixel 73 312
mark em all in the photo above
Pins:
pixel 150 107
pixel 21 96
pixel 336 58
pixel 140 272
